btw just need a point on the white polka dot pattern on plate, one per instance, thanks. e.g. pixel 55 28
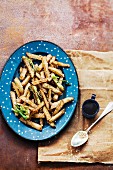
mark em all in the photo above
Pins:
pixel 9 72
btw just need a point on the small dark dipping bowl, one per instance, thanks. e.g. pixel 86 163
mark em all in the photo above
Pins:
pixel 90 107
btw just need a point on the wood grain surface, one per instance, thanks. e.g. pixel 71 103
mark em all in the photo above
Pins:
pixel 72 24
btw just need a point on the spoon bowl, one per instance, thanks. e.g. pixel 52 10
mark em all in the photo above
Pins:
pixel 79 138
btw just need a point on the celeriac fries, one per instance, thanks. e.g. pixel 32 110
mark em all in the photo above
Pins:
pixel 35 93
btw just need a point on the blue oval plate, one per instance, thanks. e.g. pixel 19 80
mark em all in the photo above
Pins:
pixel 10 71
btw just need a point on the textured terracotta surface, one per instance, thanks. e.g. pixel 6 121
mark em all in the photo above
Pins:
pixel 72 24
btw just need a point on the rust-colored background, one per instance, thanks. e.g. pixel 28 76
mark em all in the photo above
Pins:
pixel 72 24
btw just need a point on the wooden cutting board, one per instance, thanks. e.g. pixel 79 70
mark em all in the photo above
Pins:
pixel 95 75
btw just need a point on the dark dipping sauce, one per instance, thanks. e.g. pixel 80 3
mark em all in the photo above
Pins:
pixel 90 108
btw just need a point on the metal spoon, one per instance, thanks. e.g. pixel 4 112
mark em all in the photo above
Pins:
pixel 81 137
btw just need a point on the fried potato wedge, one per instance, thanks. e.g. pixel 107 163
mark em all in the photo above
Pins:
pixel 65 100
pixel 55 90
pixel 30 69
pixel 34 56
pixel 55 117
pixel 56 71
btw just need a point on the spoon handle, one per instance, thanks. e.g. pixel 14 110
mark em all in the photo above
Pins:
pixel 107 110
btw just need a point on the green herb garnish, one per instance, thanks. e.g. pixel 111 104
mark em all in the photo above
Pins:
pixel 66 82
pixel 55 78
pixel 22 111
